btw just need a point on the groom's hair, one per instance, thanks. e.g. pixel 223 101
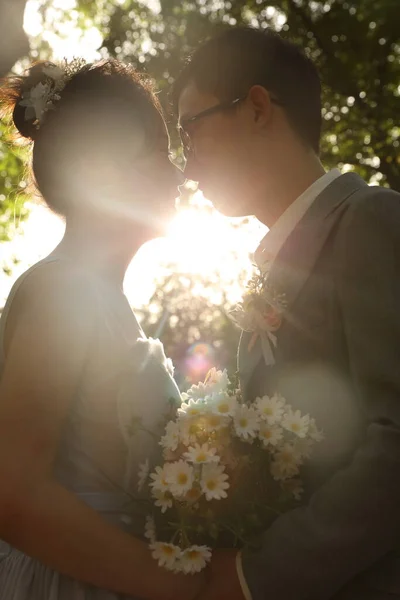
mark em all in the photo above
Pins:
pixel 229 64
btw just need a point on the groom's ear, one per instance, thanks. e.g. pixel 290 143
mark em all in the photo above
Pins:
pixel 261 105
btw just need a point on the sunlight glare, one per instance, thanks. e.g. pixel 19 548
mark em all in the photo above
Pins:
pixel 199 239
pixel 62 33
pixel 32 19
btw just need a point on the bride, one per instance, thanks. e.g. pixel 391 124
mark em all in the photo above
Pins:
pixel 76 370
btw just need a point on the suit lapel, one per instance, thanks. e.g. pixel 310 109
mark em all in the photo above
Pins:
pixel 297 257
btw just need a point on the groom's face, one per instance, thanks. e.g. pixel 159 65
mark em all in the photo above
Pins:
pixel 218 149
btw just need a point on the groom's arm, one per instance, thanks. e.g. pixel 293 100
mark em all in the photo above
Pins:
pixel 354 519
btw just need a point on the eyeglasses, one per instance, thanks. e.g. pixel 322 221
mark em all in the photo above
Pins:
pixel 187 142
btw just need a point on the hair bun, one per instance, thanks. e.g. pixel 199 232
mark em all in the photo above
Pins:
pixel 25 123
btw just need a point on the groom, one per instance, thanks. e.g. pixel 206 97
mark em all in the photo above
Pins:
pixel 250 121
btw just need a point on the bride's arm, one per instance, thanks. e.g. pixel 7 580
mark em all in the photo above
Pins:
pixel 46 349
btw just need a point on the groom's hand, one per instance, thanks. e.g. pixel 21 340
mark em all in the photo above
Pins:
pixel 224 582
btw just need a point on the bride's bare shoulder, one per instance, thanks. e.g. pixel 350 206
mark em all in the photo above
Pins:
pixel 51 291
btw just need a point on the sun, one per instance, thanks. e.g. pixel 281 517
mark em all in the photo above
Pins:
pixel 199 240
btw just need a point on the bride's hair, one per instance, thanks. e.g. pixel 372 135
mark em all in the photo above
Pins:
pixel 104 116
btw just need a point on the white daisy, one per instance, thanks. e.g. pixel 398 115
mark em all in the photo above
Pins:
pixel 246 422
pixel 194 559
pixel 166 554
pixel 192 408
pixel 270 409
pixel 191 429
pixel 216 381
pixel 222 404
pixel 270 435
pixel 203 453
pixel 162 499
pixel 143 474
pixel 215 422
pixel 150 529
pixel 159 482
pixel 286 463
pixel 315 434
pixel 179 477
pixel 294 422
pixel 170 439
pixel 213 482
pixel 196 392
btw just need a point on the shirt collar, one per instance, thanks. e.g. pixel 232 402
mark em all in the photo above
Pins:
pixel 278 234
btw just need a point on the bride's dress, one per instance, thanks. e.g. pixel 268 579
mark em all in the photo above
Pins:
pixel 127 383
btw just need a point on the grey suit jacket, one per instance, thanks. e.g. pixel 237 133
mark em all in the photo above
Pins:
pixel 338 358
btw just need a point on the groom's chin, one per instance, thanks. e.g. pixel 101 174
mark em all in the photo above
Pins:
pixel 229 206
pixel 224 201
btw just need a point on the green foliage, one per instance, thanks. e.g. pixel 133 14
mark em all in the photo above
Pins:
pixel 12 186
pixel 189 313
pixel 355 44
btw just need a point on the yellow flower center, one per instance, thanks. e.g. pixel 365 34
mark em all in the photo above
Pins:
pixel 168 550
pixel 243 422
pixel 295 427
pixel 201 457
pixel 211 485
pixel 182 478
pixel 223 408
pixel 193 554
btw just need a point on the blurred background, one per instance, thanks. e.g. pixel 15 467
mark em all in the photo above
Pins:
pixel 183 286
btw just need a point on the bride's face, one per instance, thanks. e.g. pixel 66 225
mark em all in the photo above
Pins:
pixel 155 180
pixel 124 177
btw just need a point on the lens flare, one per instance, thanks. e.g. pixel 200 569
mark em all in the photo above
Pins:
pixel 199 360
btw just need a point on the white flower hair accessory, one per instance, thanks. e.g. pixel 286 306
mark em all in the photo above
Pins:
pixel 42 97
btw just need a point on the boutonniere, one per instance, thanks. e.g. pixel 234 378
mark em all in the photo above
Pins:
pixel 261 311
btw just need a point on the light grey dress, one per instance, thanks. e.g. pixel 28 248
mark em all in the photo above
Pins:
pixel 127 378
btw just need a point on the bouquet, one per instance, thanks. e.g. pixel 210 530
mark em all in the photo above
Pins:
pixel 225 470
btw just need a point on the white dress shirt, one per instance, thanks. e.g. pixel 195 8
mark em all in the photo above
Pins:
pixel 278 234
pixel 269 247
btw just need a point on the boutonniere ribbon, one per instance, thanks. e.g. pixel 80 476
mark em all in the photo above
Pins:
pixel 261 313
